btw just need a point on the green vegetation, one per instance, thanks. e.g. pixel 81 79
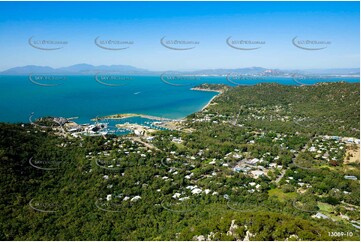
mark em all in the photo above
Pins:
pixel 245 168
pixel 281 195
pixel 324 108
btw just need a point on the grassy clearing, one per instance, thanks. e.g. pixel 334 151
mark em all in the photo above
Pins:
pixel 281 195
pixel 327 209
pixel 324 207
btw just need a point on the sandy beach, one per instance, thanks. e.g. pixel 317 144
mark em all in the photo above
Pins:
pixel 207 90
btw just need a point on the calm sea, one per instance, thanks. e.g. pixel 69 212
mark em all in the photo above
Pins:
pixel 86 98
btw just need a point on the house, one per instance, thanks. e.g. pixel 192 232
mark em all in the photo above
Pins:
pixel 254 161
pixel 237 169
pixel 237 156
pixel 150 138
pixel 326 156
pixel 312 149
pixel 257 173
pixel 356 226
pixel 176 195
pixel 136 198
pixel 207 191
pixel 344 216
pixel 177 140
pixel 320 215
pixel 351 178
pixel 196 191
pixel 273 165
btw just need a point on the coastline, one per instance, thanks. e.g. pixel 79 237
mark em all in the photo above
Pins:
pixel 130 115
pixel 209 103
pixel 207 90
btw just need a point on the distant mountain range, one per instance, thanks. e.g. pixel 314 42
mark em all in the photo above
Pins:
pixel 79 69
pixel 86 69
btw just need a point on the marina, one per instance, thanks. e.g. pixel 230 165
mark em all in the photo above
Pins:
pixel 127 125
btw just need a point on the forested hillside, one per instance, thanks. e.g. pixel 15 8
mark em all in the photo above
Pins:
pixel 237 170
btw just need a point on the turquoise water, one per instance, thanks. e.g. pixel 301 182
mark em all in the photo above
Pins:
pixel 84 97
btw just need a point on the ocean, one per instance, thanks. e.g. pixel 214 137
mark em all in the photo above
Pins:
pixel 87 97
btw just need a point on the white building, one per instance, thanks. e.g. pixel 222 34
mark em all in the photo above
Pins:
pixel 136 198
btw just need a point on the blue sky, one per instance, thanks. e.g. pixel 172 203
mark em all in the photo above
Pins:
pixel 209 23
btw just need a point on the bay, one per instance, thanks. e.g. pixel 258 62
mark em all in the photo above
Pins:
pixel 86 98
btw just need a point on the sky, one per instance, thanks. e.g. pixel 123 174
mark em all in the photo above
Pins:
pixel 208 24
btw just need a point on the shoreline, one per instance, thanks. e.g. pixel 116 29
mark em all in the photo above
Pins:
pixel 219 92
pixel 130 115
pixel 209 103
